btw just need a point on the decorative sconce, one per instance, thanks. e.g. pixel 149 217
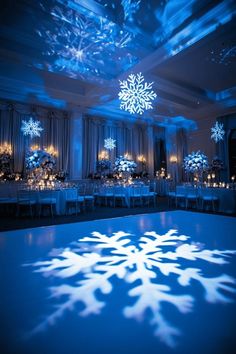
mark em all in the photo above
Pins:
pixel 173 159
pixel 50 149
pixel 103 155
pixel 5 149
pixel 34 147
pixel 141 159
pixel 128 156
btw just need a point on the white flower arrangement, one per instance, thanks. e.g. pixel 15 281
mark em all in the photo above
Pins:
pixel 122 164
pixel 40 159
pixel 196 162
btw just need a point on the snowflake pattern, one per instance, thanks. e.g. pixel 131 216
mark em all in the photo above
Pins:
pixel 31 127
pixel 136 95
pixel 217 132
pixel 109 144
pixel 84 45
pixel 130 8
pixel 96 259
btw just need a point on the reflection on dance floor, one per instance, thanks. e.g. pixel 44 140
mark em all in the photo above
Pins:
pixel 155 281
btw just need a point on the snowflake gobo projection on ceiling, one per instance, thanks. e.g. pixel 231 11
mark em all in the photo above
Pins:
pixel 135 94
pixel 85 273
pixel 31 127
pixel 83 44
pixel 217 132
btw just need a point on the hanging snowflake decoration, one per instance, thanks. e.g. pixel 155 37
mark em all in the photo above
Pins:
pixel 142 266
pixel 217 132
pixel 136 95
pixel 109 144
pixel 31 127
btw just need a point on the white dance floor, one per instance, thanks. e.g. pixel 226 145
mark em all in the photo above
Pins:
pixel 154 283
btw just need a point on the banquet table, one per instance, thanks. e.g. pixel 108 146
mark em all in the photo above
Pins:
pixel 11 190
pixel 226 196
pixel 127 191
pixel 161 186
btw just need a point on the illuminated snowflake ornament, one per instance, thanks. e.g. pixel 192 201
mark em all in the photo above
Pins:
pixel 31 127
pixel 217 132
pixel 109 143
pixel 136 95
pixel 88 267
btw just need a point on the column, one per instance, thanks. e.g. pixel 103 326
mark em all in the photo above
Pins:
pixel 150 151
pixel 76 145
pixel 171 153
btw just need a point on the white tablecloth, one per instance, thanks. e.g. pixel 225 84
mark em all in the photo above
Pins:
pixel 227 197
pixel 11 190
pixel 127 191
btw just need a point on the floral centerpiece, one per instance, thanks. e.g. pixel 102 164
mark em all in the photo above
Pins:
pixel 40 166
pixel 5 161
pixel 124 166
pixel 40 159
pixel 196 164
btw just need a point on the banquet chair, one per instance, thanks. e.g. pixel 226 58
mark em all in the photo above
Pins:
pixel 6 204
pixel 46 199
pixel 135 195
pixel 106 194
pixel 192 198
pixel 26 200
pixel 171 193
pixel 179 198
pixel 208 199
pixel 148 195
pixel 72 199
pixel 86 191
pixel 119 195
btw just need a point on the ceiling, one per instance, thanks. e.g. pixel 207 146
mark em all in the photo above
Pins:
pixel 73 53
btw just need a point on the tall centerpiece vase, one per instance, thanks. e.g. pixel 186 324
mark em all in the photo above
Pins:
pixel 125 176
pixel 124 167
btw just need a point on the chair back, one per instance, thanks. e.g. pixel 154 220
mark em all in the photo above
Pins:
pixel 47 194
pixel 71 193
pixel 118 190
pixel 135 191
pixel 145 190
pixel 25 195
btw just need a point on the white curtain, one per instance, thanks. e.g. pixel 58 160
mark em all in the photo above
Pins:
pixel 56 132
pixel 131 138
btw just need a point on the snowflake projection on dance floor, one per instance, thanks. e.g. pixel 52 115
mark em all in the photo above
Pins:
pixel 217 132
pixel 94 261
pixel 136 95
pixel 109 144
pixel 31 127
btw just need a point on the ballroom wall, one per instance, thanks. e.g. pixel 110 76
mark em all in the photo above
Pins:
pixel 79 138
pixel 200 139
pixel 56 125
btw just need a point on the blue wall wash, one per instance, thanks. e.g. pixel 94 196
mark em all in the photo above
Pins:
pixel 155 283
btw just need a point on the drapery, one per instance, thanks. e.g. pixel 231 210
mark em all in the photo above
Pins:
pixel 182 151
pixel 131 138
pixel 56 132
